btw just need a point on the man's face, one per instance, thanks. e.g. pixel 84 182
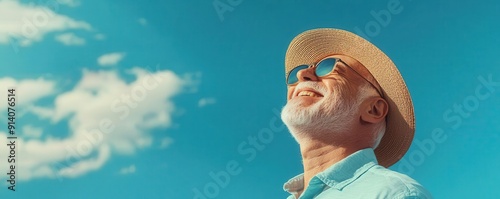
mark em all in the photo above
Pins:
pixel 324 104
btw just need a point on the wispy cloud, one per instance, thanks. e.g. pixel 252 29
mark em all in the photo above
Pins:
pixel 110 59
pixel 70 3
pixel 105 115
pixel 127 170
pixel 100 36
pixel 29 131
pixel 23 24
pixel 143 21
pixel 206 101
pixel 165 142
pixel 70 39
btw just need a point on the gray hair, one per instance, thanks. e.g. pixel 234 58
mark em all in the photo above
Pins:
pixel 365 91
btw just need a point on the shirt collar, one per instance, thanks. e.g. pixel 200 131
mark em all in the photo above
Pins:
pixel 339 174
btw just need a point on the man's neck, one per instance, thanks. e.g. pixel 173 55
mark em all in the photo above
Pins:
pixel 318 156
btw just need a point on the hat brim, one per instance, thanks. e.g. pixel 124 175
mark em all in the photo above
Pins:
pixel 315 44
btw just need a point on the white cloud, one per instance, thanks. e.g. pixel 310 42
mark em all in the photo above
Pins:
pixel 42 112
pixel 70 39
pixel 165 142
pixel 100 36
pixel 83 166
pixel 29 131
pixel 70 3
pixel 127 170
pixel 110 59
pixel 206 101
pixel 143 21
pixel 23 24
pixel 105 115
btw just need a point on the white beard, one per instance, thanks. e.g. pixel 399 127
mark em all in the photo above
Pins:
pixel 330 116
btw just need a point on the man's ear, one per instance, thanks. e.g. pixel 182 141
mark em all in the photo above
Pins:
pixel 374 110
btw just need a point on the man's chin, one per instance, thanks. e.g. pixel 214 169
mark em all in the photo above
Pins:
pixel 296 115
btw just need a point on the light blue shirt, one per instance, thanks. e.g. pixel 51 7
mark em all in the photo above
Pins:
pixel 358 176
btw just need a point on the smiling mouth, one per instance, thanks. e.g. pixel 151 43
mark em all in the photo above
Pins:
pixel 309 94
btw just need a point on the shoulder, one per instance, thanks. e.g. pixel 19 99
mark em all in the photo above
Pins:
pixel 396 185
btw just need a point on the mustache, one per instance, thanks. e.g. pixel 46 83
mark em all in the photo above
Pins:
pixel 321 89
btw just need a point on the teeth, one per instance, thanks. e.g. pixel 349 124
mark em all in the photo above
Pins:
pixel 307 93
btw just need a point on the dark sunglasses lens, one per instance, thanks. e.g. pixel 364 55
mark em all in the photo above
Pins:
pixel 292 76
pixel 325 67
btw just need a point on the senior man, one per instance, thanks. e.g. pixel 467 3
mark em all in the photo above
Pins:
pixel 351 113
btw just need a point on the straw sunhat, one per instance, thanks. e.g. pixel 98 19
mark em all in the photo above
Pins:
pixel 313 45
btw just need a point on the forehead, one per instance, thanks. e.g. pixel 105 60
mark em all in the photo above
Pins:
pixel 347 59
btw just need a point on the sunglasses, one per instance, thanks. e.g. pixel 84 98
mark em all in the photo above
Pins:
pixel 321 69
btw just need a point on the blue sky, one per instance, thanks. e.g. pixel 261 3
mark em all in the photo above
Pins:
pixel 186 91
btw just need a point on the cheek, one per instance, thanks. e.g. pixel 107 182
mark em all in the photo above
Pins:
pixel 290 92
pixel 341 89
pixel 333 86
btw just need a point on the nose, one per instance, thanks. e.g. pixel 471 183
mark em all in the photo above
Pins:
pixel 307 75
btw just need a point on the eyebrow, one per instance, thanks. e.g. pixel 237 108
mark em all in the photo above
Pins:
pixel 342 68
